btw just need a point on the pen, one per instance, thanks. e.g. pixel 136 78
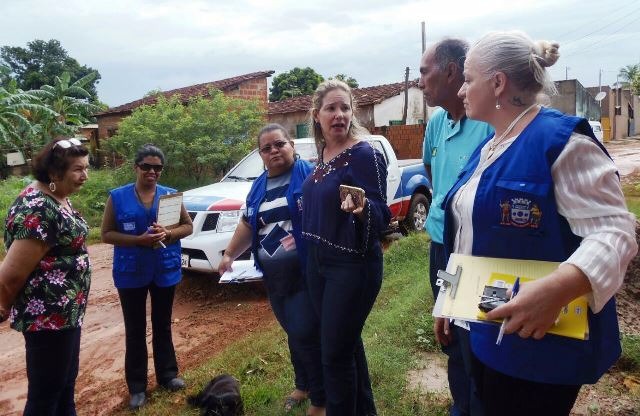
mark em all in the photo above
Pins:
pixel 514 291
pixel 150 229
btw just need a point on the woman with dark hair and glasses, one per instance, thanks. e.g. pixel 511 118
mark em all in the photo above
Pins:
pixel 146 259
pixel 45 277
pixel 272 229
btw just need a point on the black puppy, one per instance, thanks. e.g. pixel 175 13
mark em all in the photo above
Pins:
pixel 221 397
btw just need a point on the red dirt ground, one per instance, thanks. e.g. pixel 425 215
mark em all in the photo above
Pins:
pixel 207 318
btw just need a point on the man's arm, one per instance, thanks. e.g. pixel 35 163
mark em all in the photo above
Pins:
pixel 427 168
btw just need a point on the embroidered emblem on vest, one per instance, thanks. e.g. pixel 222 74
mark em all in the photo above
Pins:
pixel 520 212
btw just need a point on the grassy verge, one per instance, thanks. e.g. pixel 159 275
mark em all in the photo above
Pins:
pixel 395 332
pixel 632 195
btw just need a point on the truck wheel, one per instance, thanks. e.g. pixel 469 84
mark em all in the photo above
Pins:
pixel 417 215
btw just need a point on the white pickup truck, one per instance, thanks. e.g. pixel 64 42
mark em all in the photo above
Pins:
pixel 216 209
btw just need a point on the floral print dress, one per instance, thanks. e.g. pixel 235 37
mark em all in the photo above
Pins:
pixel 55 294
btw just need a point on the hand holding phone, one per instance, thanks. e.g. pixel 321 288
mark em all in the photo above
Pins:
pixel 357 194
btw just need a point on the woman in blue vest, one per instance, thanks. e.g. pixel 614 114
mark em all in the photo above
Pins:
pixel 344 269
pixel 271 228
pixel 146 260
pixel 541 188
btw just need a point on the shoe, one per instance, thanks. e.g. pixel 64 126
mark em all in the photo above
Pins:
pixel 174 384
pixel 295 399
pixel 137 400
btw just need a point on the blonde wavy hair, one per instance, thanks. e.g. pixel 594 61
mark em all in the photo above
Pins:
pixel 355 129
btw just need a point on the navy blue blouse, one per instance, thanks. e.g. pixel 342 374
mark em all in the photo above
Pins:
pixel 324 223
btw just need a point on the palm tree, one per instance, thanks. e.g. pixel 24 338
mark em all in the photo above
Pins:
pixel 16 110
pixel 70 102
pixel 628 73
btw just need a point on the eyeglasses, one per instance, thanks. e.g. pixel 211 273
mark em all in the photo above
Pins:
pixel 278 145
pixel 147 167
pixel 67 143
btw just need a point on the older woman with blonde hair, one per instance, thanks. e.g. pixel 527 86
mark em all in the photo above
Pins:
pixel 538 158
pixel 344 266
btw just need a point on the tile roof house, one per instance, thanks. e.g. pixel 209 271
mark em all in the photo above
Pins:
pixel 247 86
pixel 377 106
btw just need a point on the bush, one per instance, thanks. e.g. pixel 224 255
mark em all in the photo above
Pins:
pixel 201 140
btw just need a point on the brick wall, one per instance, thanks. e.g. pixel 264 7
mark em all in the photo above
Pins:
pixel 255 89
pixel 405 140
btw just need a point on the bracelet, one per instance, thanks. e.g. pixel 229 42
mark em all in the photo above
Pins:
pixel 169 236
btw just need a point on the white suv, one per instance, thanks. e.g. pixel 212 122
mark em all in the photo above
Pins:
pixel 597 129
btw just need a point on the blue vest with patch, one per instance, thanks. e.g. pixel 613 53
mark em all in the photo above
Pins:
pixel 300 170
pixel 515 216
pixel 139 266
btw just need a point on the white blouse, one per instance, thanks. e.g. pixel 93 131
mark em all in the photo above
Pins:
pixel 589 196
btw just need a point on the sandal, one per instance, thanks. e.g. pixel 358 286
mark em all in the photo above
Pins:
pixel 290 402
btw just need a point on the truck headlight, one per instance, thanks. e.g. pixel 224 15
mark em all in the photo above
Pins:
pixel 228 221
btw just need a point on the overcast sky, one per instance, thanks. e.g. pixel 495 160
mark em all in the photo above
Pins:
pixel 142 45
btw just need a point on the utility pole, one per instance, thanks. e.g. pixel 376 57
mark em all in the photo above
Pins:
pixel 406 96
pixel 425 116
pixel 600 80
pixel 566 72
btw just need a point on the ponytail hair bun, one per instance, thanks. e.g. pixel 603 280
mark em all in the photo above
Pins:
pixel 546 53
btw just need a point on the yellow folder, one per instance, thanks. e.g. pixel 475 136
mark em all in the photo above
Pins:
pixel 478 272
pixel 572 321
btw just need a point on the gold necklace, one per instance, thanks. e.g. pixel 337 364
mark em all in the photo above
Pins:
pixel 494 143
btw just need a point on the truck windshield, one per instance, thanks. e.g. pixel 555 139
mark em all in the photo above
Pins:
pixel 251 166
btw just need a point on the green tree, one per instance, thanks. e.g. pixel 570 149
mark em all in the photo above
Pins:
pixel 69 101
pixel 17 129
pixel 350 81
pixel 628 73
pixel 635 85
pixel 201 140
pixel 40 62
pixel 294 83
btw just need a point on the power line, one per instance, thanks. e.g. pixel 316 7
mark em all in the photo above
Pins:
pixel 604 38
pixel 606 26
pixel 612 16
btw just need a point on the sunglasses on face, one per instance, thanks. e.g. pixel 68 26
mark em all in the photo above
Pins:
pixel 278 145
pixel 67 143
pixel 147 167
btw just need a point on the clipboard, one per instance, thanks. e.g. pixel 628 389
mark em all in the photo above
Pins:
pixel 169 208
pixel 244 271
pixel 463 283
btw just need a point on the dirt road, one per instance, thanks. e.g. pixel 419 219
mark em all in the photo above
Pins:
pixel 207 318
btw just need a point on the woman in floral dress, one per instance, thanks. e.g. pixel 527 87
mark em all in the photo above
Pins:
pixel 45 277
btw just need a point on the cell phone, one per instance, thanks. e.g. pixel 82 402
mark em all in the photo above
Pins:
pixel 357 194
pixel 492 297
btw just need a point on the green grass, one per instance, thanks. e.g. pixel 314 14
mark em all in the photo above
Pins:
pixel 632 195
pixel 630 359
pixel 392 340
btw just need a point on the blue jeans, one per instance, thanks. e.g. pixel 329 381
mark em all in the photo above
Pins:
pixel 52 368
pixel 297 317
pixel 134 311
pixel 343 289
pixel 466 400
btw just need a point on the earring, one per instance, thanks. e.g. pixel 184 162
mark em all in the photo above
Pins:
pixel 498 106
pixel 52 186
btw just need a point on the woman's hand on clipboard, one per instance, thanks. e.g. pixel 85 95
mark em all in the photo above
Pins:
pixel 154 235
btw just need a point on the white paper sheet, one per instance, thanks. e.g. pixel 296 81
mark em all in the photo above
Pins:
pixel 169 207
pixel 243 271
